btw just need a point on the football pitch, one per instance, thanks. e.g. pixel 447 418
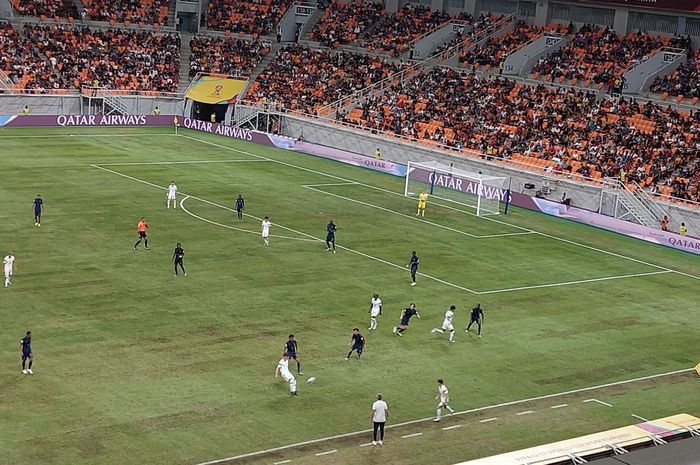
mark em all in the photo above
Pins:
pixel 584 330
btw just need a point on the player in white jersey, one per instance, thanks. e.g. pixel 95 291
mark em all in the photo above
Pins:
pixel 9 264
pixel 447 324
pixel 172 194
pixel 266 231
pixel 283 369
pixel 375 309
pixel 444 399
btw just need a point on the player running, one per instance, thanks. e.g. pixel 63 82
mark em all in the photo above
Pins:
pixel 330 235
pixel 413 264
pixel 25 348
pixel 240 206
pixel 357 343
pixel 406 316
pixel 292 350
pixel 422 203
pixel 447 324
pixel 178 257
pixel 266 231
pixel 444 396
pixel 141 230
pixel 9 265
pixel 283 369
pixel 375 309
pixel 477 316
pixel 38 207
pixel 172 194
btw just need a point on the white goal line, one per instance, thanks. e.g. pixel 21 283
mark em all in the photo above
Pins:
pixel 463 412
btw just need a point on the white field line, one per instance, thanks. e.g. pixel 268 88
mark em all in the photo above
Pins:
pixel 556 238
pixel 182 162
pixel 412 217
pixel 309 236
pixel 570 283
pixel 464 412
pixel 366 444
pixel 526 412
pixel 281 462
pixel 411 435
pixel 598 401
pixel 328 183
pixel 326 453
pixel 182 206
pixel 559 406
pixel 51 136
pixel 641 418
pixel 451 427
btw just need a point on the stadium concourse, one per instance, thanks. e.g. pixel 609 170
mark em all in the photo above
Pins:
pixel 567 130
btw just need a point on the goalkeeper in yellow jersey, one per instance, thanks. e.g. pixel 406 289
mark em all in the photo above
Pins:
pixel 422 202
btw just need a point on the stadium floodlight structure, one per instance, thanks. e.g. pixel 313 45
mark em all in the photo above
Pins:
pixel 487 195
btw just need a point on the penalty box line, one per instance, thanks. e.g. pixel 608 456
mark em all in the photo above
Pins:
pixel 313 187
pixel 309 236
pixel 521 228
pixel 463 412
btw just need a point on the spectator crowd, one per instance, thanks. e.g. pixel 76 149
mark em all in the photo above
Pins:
pixel 115 58
pixel 254 17
pixel 343 23
pixel 235 57
pixel 684 82
pixel 304 79
pixel 134 11
pixel 47 8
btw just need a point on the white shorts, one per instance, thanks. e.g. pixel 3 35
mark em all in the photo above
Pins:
pixel 8 272
pixel 288 378
pixel 374 315
pixel 448 327
pixel 172 196
pixel 265 235
pixel 443 402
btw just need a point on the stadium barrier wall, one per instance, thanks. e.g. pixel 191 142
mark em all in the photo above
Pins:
pixel 520 199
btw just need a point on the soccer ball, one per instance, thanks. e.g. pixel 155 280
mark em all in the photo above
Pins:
pixel 311 380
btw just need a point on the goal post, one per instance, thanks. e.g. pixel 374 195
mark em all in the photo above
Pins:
pixel 487 195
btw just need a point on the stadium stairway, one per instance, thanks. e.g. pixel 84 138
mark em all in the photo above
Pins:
pixel 172 6
pixel 185 53
pixel 310 25
pixel 79 5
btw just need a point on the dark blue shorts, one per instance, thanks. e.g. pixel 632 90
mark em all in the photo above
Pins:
pixel 414 270
pixel 404 323
pixel 330 237
pixel 292 355
pixel 37 212
pixel 26 355
pixel 358 348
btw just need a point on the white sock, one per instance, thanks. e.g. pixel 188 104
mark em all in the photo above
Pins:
pixel 439 413
pixel 449 408
pixel 452 335
pixel 438 330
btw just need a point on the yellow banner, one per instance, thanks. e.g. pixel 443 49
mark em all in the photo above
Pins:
pixel 593 443
pixel 212 89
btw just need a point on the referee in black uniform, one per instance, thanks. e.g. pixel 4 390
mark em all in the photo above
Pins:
pixel 178 257
pixel 477 317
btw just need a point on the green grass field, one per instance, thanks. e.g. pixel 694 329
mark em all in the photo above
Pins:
pixel 136 366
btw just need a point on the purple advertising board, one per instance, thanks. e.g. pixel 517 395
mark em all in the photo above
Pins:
pixel 685 5
pixel 86 120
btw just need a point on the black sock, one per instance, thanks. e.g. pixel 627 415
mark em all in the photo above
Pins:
pixel 298 367
pixel 146 242
pixel 349 354
pixel 137 243
pixel 24 364
pixel 30 364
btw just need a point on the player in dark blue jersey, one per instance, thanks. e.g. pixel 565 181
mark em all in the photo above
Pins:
pixel 477 317
pixel 25 348
pixel 330 236
pixel 178 258
pixel 292 349
pixel 240 205
pixel 413 264
pixel 406 316
pixel 357 343
pixel 38 207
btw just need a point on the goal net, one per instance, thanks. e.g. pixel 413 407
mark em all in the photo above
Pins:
pixel 487 195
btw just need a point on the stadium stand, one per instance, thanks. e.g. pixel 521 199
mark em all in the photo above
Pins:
pixel 395 33
pixel 304 79
pixel 23 64
pixel 46 8
pixel 557 130
pixel 343 23
pixel 235 57
pixel 597 56
pixel 683 83
pixel 254 17
pixel 493 52
pixel 128 11
pixel 114 58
